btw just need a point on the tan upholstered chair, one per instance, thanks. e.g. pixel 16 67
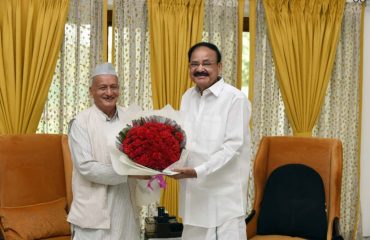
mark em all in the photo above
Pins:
pixel 35 186
pixel 319 156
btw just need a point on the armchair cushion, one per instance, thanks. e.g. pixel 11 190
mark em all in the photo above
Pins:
pixel 35 221
pixel 293 203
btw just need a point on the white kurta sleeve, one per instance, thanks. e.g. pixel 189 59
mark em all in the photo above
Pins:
pixel 84 162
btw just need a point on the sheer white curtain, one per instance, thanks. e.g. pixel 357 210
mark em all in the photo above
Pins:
pixel 339 117
pixel 221 28
pixel 131 52
pixel 131 59
pixel 81 51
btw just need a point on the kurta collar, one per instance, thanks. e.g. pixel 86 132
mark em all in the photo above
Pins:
pixel 215 89
pixel 104 116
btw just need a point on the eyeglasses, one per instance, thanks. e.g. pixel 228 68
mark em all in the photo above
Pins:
pixel 195 65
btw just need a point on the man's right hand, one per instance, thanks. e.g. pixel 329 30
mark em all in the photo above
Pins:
pixel 141 177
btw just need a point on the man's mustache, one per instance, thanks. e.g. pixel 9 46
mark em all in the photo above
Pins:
pixel 198 74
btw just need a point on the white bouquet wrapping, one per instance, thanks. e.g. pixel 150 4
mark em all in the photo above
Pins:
pixel 152 144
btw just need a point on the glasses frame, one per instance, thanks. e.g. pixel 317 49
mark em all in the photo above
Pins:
pixel 205 64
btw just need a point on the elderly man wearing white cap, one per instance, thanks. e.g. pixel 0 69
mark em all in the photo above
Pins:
pixel 101 207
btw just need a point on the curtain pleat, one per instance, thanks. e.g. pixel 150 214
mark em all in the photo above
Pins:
pixel 304 37
pixel 174 27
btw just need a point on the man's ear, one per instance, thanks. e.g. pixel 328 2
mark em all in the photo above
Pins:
pixel 91 96
pixel 219 65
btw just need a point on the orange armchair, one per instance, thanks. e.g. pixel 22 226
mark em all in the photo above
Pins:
pixel 286 156
pixel 35 186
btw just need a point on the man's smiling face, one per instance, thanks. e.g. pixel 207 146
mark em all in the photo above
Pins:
pixel 105 91
pixel 203 67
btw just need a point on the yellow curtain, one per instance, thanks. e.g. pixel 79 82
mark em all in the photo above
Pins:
pixel 174 26
pixel 304 36
pixel 30 37
pixel 105 31
pixel 252 47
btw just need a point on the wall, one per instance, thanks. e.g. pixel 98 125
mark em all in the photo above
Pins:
pixel 365 144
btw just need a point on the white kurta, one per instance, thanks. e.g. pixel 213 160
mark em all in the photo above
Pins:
pixel 121 220
pixel 218 142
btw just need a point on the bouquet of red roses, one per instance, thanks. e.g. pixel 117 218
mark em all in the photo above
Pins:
pixel 154 142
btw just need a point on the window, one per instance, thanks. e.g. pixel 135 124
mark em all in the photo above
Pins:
pixel 110 35
pixel 245 56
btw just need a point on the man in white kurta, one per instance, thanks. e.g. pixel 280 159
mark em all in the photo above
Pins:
pixel 101 207
pixel 214 186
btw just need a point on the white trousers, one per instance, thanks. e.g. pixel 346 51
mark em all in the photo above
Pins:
pixel 234 229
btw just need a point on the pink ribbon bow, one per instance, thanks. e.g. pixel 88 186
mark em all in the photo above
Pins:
pixel 160 180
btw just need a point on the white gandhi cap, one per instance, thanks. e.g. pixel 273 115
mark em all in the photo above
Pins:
pixel 104 68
